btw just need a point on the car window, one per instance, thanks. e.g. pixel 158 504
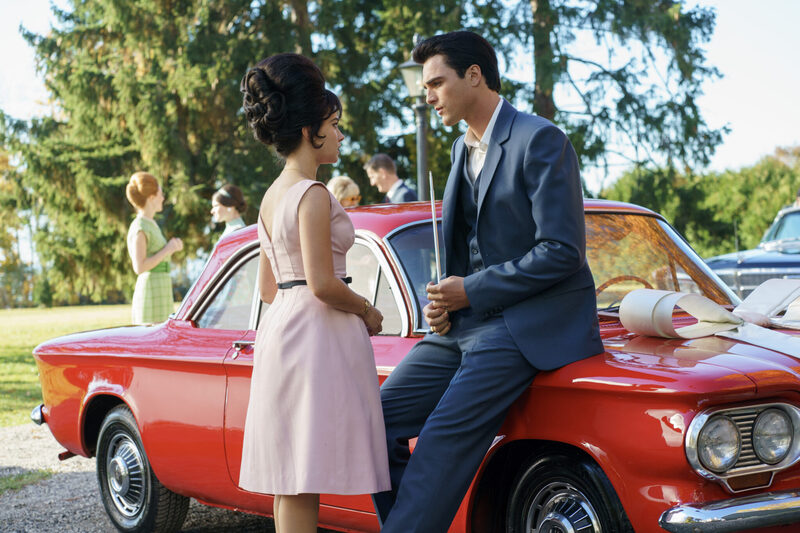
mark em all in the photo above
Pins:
pixel 414 249
pixel 628 252
pixel 371 282
pixel 231 305
pixel 624 251
pixel 787 227
pixel 362 266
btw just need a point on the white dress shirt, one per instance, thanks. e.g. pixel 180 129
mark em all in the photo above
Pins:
pixel 477 148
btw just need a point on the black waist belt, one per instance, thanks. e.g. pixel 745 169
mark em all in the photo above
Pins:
pixel 295 283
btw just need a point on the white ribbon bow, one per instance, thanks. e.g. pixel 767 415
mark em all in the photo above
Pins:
pixel 649 312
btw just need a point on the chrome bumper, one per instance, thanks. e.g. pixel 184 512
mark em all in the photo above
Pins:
pixel 736 514
pixel 37 415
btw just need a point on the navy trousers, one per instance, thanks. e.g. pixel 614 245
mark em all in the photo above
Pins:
pixel 453 393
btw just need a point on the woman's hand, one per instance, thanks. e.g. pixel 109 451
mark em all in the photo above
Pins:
pixel 373 319
pixel 174 245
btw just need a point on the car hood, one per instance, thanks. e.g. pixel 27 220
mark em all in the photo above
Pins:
pixel 704 366
pixel 768 255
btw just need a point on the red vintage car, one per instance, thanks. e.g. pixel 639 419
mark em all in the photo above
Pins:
pixel 652 435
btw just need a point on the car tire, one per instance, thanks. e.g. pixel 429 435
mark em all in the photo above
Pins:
pixel 558 492
pixel 135 500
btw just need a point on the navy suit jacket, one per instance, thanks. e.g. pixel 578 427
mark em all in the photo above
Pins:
pixel 531 233
pixel 404 193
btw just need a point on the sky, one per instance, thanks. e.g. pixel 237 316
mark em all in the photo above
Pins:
pixel 754 46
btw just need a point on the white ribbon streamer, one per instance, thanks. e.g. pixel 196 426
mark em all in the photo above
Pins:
pixel 649 312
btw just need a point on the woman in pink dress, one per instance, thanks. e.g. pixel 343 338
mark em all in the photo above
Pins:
pixel 314 421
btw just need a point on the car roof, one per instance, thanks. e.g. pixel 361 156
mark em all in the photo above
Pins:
pixel 381 219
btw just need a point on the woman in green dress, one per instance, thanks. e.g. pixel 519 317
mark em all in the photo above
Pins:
pixel 150 252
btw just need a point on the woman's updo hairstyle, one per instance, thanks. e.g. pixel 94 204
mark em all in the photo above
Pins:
pixel 283 94
pixel 140 187
pixel 230 196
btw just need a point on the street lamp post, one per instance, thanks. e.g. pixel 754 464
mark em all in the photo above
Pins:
pixel 412 76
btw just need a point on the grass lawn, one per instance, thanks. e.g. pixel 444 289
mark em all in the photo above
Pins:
pixel 21 330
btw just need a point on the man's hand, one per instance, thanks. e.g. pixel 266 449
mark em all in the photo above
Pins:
pixel 438 319
pixel 448 294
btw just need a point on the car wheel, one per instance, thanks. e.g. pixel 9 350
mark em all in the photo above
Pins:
pixel 563 494
pixel 133 497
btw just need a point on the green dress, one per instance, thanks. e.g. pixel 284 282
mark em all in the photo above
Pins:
pixel 152 297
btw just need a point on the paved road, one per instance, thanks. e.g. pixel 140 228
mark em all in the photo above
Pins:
pixel 69 501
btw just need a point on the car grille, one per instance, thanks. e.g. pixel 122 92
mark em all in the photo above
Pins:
pixel 744 420
pixel 744 281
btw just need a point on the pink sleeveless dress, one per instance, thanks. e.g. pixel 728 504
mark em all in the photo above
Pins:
pixel 314 420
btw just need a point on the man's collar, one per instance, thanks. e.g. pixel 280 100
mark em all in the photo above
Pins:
pixel 472 141
pixel 396 185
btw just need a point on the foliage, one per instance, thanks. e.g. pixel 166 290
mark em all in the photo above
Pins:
pixel 154 85
pixel 716 210
pixel 637 89
pixel 23 329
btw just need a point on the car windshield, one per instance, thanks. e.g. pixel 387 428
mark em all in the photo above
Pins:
pixel 624 251
pixel 785 227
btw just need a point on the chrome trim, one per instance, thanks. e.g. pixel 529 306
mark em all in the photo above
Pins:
pixel 220 277
pixel 191 288
pixel 748 462
pixel 255 305
pixel 238 345
pixel 368 239
pixel 416 312
pixel 736 514
pixel 37 415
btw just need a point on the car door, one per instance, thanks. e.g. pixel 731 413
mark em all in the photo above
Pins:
pixel 372 279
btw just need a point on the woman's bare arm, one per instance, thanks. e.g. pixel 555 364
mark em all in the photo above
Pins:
pixel 314 215
pixel 142 263
pixel 267 286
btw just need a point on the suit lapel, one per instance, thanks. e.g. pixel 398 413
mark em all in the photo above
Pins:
pixel 501 132
pixel 450 200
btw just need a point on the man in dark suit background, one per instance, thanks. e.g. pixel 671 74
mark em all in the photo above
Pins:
pixel 382 174
pixel 518 297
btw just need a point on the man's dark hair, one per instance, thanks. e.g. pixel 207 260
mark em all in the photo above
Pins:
pixel 379 161
pixel 461 50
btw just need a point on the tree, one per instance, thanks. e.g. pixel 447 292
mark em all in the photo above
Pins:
pixel 154 85
pixel 719 212
pixel 637 90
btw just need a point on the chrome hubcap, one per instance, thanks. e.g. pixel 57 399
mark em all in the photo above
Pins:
pixel 561 508
pixel 125 475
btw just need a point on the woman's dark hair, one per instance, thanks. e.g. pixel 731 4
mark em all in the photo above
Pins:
pixel 461 50
pixel 230 196
pixel 283 94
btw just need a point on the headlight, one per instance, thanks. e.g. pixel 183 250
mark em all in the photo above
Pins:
pixel 718 444
pixel 772 436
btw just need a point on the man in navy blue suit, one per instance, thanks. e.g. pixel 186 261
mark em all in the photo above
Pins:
pixel 518 297
pixel 382 174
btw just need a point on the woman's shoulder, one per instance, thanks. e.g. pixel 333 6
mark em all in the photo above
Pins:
pixel 136 226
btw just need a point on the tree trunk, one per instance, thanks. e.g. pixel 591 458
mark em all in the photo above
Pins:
pixel 302 23
pixel 544 71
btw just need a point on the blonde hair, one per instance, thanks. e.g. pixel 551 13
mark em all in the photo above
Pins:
pixel 342 187
pixel 140 187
